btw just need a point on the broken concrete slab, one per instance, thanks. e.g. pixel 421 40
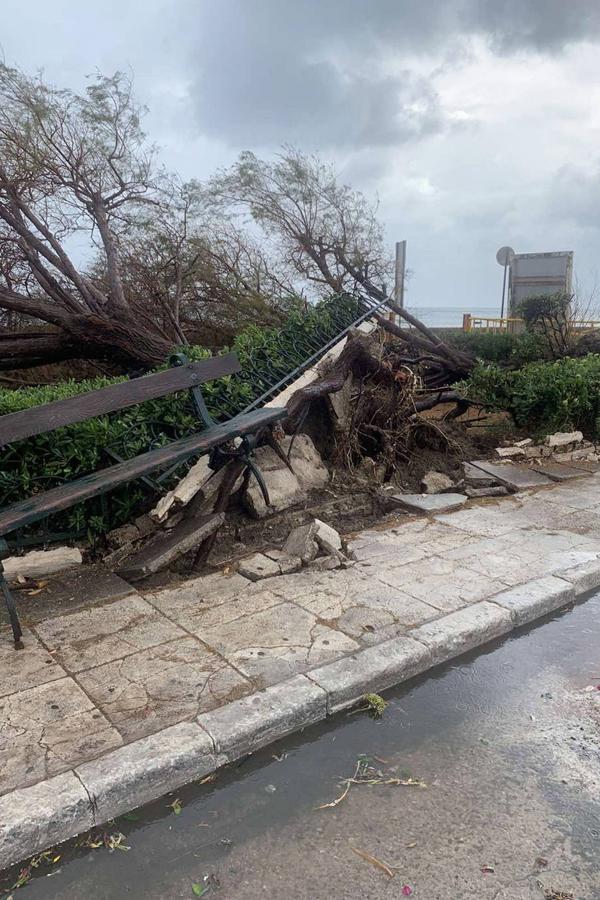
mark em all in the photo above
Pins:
pixel 510 452
pixel 563 438
pixel 258 566
pixel 48 729
pixel 436 482
pixel 323 564
pixel 476 477
pixel 560 472
pixel 301 542
pixel 513 476
pixel 498 490
pixel 285 488
pixel 429 503
pixel 287 564
pixel 94 636
pixel 161 686
pixel 37 563
pixel 163 549
pixel 328 533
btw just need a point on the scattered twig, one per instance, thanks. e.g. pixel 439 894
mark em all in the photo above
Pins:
pixel 374 861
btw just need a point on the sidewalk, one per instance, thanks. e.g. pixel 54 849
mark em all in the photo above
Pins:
pixel 115 703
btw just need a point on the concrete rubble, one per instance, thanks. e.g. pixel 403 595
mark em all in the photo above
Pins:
pixel 285 487
pixel 558 447
pixel 436 482
pixel 41 562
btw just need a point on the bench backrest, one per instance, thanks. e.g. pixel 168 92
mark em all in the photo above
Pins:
pixel 40 419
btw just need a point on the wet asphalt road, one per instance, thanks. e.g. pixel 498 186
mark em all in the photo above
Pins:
pixel 507 741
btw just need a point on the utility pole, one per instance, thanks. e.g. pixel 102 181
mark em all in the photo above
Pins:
pixel 400 272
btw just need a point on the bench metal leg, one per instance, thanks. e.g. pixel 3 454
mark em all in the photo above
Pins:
pixel 12 611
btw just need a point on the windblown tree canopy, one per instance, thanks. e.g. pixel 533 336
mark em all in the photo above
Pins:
pixel 78 180
pixel 324 232
pixel 104 255
pixel 329 235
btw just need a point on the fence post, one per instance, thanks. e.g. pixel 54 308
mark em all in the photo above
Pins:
pixel 466 322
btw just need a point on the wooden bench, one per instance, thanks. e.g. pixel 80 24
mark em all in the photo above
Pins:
pixel 183 375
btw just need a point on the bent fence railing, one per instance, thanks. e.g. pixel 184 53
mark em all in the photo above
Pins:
pixel 272 380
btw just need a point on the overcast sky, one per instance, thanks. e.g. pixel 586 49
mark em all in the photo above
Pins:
pixel 476 122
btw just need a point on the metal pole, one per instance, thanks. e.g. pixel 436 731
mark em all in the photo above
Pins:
pixel 400 271
pixel 503 292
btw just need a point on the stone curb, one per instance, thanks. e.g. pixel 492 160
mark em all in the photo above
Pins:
pixel 34 818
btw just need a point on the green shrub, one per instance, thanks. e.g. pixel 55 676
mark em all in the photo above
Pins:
pixel 47 460
pixel 506 348
pixel 544 397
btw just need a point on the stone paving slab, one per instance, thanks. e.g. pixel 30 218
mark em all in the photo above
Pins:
pixel 70 591
pixel 28 668
pixel 277 643
pixel 47 730
pixel 197 615
pixel 511 475
pixel 103 633
pixel 429 503
pixel 127 697
pixel 161 686
pixel 559 471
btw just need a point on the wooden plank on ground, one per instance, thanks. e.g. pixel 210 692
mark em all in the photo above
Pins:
pixel 166 547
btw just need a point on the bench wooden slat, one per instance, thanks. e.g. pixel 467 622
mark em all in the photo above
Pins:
pixel 39 506
pixel 40 419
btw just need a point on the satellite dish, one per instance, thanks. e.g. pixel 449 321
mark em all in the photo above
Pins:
pixel 505 256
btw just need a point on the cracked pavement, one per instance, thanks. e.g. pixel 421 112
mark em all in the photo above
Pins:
pixel 120 668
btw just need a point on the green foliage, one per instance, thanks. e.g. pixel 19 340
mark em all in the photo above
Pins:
pixel 375 705
pixel 47 460
pixel 507 348
pixel 491 347
pixel 543 306
pixel 543 396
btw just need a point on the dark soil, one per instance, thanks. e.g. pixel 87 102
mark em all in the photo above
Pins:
pixel 351 501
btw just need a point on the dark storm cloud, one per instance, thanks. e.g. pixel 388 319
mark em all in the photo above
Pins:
pixel 543 25
pixel 310 72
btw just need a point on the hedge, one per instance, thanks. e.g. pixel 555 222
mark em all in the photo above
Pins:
pixel 511 349
pixel 42 462
pixel 543 397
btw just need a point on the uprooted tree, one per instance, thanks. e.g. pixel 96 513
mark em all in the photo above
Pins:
pixel 164 262
pixel 78 181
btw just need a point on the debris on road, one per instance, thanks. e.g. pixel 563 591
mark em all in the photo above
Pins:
pixel 379 863
pixel 365 773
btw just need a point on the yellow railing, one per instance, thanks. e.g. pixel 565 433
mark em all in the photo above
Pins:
pixel 490 324
pixel 584 325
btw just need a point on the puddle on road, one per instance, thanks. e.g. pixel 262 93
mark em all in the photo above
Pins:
pixel 436 718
